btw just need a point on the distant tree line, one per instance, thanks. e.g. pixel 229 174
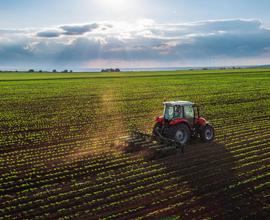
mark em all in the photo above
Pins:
pixel 217 68
pixel 110 70
pixel 53 71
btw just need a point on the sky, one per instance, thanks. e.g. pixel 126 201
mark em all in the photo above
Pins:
pixel 76 34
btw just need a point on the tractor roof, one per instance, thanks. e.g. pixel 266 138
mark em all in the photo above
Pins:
pixel 182 103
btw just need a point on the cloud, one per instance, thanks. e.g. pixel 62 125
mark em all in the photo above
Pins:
pixel 199 43
pixel 48 33
pixel 68 30
pixel 78 29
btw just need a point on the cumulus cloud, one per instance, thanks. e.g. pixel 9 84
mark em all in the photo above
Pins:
pixel 196 42
pixel 78 29
pixel 49 33
pixel 68 30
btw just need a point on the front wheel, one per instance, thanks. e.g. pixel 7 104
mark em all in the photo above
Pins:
pixel 207 133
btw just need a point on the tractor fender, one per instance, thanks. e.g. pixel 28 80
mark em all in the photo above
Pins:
pixel 160 119
pixel 201 121
pixel 180 121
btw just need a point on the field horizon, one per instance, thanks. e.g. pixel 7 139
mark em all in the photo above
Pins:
pixel 137 69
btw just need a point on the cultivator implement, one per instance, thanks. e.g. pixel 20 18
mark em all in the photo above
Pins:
pixel 152 147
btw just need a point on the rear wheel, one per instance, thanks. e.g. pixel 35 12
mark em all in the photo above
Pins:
pixel 157 130
pixel 207 133
pixel 182 134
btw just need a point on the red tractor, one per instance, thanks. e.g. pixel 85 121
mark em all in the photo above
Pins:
pixel 180 122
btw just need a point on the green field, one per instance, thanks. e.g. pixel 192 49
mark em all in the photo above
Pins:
pixel 64 137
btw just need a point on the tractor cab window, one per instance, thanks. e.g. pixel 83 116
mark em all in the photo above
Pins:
pixel 169 112
pixel 178 113
pixel 172 112
pixel 189 113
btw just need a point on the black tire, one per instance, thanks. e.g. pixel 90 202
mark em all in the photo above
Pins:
pixel 157 130
pixel 181 133
pixel 207 133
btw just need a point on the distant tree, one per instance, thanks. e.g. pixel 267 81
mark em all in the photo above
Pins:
pixel 110 70
pixel 31 71
pixel 40 71
pixel 54 71
pixel 65 71
pixel 71 71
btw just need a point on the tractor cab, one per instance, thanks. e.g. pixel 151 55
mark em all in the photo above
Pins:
pixel 181 110
pixel 180 121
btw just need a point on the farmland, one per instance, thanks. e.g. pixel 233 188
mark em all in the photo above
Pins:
pixel 64 141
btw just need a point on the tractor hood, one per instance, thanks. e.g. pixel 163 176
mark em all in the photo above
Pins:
pixel 200 121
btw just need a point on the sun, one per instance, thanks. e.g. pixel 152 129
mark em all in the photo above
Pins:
pixel 114 5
